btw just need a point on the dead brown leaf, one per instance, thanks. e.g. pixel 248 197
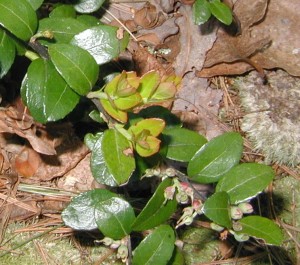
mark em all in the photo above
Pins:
pixel 270 38
pixel 12 121
pixel 194 44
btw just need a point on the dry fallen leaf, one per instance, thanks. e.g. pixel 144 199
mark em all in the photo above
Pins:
pixel 270 38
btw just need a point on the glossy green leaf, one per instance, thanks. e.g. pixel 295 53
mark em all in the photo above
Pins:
pixel 35 3
pixel 98 165
pixel 47 95
pixel 182 143
pixel 76 66
pixel 88 6
pixel 100 208
pixel 64 29
pixel 156 248
pixel 114 217
pixel 120 163
pixel 263 228
pixel 215 158
pixel 156 211
pixel 80 213
pixel 102 42
pixel 201 12
pixel 117 114
pixel 148 84
pixel 63 11
pixel 221 11
pixel 245 181
pixel 217 209
pixel 88 20
pixel 148 147
pixel 7 52
pixel 19 18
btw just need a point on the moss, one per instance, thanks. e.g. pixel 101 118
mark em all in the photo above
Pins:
pixel 272 120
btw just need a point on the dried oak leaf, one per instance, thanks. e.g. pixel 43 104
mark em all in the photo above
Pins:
pixel 263 22
pixel 12 121
pixel 194 44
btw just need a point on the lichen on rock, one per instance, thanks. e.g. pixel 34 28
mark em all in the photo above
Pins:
pixel 272 115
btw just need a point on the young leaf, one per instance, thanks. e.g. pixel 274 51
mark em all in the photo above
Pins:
pixel 19 18
pixel 47 95
pixel 102 42
pixel 148 84
pixel 100 208
pixel 120 164
pixel 156 211
pixel 263 228
pixel 98 165
pixel 76 66
pixel 63 11
pixel 154 126
pixel 35 3
pixel 221 11
pixel 216 208
pixel 201 12
pixel 215 158
pixel 64 29
pixel 245 181
pixel 128 102
pixel 7 52
pixel 88 6
pixel 182 143
pixel 161 113
pixel 117 114
pixel 156 248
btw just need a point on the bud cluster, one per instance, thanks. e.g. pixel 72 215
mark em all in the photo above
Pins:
pixel 120 245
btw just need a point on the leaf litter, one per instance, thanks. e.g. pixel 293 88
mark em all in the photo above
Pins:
pixel 168 42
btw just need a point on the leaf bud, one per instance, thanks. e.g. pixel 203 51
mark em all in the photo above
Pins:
pixel 216 227
pixel 236 213
pixel 246 207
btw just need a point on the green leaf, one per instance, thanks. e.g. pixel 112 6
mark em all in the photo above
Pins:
pixel 221 11
pixel 18 17
pixel 100 208
pixel 215 158
pixel 7 52
pixel 99 168
pixel 114 217
pixel 182 143
pixel 88 6
pixel 88 20
pixel 120 163
pixel 201 12
pixel 117 114
pixel 101 42
pixel 263 228
pixel 47 95
pixel 148 84
pixel 76 66
pixel 35 3
pixel 177 257
pixel 217 209
pixel 64 29
pixel 154 125
pixel 245 181
pixel 63 11
pixel 156 211
pixel 156 248
pixel 128 102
